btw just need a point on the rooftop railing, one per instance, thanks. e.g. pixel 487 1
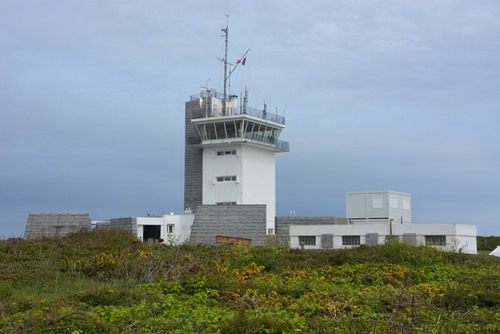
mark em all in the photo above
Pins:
pixel 261 114
pixel 283 145
pixel 240 110
pixel 207 93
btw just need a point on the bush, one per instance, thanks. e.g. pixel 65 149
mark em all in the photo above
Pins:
pixel 109 282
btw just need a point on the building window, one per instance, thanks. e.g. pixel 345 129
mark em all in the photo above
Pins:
pixel 170 229
pixel 435 240
pixel 225 203
pixel 307 240
pixel 351 240
pixel 270 231
pixel 226 178
pixel 228 152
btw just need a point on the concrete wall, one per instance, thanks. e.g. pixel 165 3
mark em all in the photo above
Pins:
pixel 283 225
pixel 226 165
pixel 244 221
pixel 254 168
pixel 55 224
pixel 259 180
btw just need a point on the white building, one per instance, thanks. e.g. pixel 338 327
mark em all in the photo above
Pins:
pixel 231 160
pixel 229 150
pixel 377 216
pixel 172 229
pixel 451 237
pixel 241 170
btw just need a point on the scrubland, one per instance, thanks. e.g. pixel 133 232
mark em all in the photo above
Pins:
pixel 110 282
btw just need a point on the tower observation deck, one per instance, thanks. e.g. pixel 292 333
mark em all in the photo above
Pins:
pixel 235 123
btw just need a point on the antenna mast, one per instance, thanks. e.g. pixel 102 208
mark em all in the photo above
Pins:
pixel 226 33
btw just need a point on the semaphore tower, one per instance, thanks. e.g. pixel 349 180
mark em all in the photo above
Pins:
pixel 230 149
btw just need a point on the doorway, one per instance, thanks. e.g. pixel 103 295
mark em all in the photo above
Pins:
pixel 151 232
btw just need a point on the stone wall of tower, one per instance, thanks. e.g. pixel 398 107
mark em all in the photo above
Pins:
pixel 241 221
pixel 193 157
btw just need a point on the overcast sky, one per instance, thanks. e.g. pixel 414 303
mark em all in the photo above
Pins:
pixel 378 95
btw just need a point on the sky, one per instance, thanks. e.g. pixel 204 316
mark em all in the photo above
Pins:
pixel 377 95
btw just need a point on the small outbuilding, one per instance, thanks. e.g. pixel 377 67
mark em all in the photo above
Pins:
pixel 496 252
pixel 55 224
pixel 168 229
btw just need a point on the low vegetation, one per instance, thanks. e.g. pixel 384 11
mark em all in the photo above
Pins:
pixel 109 282
pixel 487 244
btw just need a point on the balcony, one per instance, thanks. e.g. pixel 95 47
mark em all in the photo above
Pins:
pixel 278 145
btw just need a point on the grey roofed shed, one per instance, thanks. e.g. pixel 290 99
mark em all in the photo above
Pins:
pixel 55 224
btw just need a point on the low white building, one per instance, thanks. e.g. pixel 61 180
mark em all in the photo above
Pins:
pixel 450 237
pixel 173 229
pixel 377 216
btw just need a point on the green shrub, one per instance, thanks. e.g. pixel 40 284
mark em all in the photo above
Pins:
pixel 110 282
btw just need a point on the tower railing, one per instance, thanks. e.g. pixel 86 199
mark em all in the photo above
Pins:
pixel 207 93
pixel 240 110
pixel 279 144
pixel 283 145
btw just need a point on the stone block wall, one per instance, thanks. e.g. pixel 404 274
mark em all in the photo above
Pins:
pixel 193 157
pixel 244 221
pixel 127 224
pixel 55 224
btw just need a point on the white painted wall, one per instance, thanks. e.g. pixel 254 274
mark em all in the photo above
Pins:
pixel 458 236
pixel 254 168
pixel 225 165
pixel 182 226
pixel 259 180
